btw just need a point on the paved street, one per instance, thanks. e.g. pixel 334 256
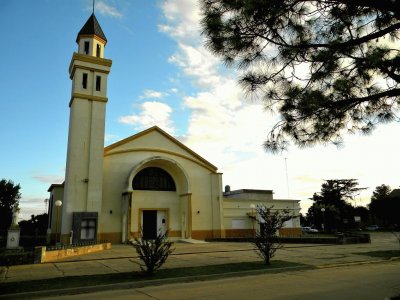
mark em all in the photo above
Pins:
pixel 369 281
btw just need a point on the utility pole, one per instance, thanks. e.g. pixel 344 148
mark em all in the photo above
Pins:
pixel 287 178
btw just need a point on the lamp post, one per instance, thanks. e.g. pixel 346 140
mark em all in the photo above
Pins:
pixel 323 219
pixel 252 206
pixel 58 204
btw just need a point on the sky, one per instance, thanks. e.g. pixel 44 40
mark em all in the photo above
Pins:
pixel 161 75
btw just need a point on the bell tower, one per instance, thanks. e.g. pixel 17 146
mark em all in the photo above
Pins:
pixel 88 71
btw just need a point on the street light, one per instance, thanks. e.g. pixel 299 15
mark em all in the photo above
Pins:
pixel 58 204
pixel 323 219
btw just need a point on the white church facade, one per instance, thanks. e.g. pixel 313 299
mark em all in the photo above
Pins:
pixel 145 183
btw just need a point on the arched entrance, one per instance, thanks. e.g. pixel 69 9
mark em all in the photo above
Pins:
pixel 154 220
pixel 157 198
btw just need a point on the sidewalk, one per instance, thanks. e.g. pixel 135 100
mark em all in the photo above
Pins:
pixel 122 258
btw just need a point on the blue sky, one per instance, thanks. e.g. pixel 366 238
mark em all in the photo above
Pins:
pixel 161 75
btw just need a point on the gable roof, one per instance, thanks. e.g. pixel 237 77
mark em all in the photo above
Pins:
pixel 108 149
pixel 55 185
pixel 92 27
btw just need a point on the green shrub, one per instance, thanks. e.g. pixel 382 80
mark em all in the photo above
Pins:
pixel 8 258
pixel 153 252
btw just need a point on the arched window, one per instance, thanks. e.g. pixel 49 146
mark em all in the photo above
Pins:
pixel 153 179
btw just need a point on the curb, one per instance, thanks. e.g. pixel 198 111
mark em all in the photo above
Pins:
pixel 145 283
pixel 157 282
pixel 364 262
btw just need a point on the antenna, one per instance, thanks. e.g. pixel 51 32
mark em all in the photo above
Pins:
pixel 287 178
pixel 93 6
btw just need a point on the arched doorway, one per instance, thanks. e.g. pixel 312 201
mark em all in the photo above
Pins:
pixel 157 198
pixel 153 221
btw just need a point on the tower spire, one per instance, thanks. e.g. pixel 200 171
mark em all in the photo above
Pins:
pixel 93 7
pixel 84 169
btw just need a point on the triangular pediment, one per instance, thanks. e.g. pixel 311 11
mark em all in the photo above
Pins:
pixel 155 140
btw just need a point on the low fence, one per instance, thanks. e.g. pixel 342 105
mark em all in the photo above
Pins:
pixel 48 254
pixel 353 238
pixel 339 238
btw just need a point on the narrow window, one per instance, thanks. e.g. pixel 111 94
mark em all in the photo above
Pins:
pixel 86 47
pixel 84 81
pixel 98 48
pixel 98 83
pixel 50 210
pixel 88 229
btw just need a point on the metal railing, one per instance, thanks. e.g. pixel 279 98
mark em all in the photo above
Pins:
pixel 74 245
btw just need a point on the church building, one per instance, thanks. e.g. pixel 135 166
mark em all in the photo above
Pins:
pixel 148 182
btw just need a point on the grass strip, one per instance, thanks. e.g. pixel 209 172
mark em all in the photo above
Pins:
pixel 388 254
pixel 102 279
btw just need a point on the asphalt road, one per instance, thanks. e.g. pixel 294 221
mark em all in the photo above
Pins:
pixel 368 281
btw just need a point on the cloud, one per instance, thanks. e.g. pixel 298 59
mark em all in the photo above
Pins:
pixel 151 94
pixel 182 19
pixel 224 126
pixel 152 113
pixel 31 206
pixel 197 63
pixel 49 178
pixel 103 8
pixel 109 138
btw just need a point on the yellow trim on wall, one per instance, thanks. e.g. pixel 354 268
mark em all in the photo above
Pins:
pixel 87 97
pixel 90 59
pixel 186 194
pixel 88 69
pixel 96 37
pixel 111 237
pixel 160 151
pixel 171 138
pixel 189 199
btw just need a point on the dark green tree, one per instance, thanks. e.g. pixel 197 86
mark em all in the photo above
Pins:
pixel 303 220
pixel 266 239
pixel 36 225
pixel 327 66
pixel 381 192
pixel 364 215
pixel 377 205
pixel 385 206
pixel 334 198
pixel 9 199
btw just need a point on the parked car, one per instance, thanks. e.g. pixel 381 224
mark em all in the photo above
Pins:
pixel 309 229
pixel 373 227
